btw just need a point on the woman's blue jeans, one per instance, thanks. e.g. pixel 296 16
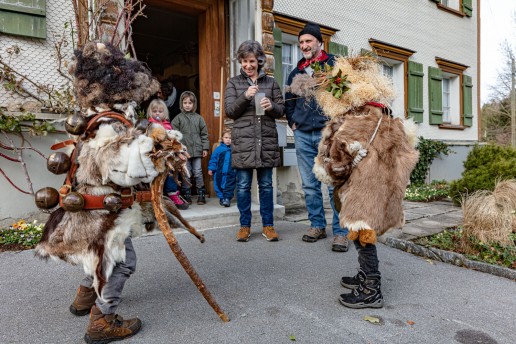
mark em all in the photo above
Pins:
pixel 244 177
pixel 307 147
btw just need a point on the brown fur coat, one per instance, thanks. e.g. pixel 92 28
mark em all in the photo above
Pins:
pixel 371 194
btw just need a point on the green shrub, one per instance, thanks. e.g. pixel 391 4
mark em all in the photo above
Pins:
pixel 484 166
pixel 428 151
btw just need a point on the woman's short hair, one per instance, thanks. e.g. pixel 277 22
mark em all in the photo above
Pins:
pixel 251 47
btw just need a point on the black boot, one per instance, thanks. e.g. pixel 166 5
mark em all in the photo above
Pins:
pixel 353 282
pixel 185 193
pixel 367 295
pixel 201 195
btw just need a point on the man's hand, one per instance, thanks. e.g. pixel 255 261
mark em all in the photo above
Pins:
pixel 210 173
pixel 294 127
pixel 204 153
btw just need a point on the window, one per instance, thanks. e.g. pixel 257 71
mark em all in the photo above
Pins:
pixel 290 54
pixel 446 100
pixel 454 4
pixel 450 95
pixel 395 65
pixel 459 8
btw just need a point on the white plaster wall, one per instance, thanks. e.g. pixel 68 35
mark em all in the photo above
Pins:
pixel 413 24
pixel 36 57
pixel 15 204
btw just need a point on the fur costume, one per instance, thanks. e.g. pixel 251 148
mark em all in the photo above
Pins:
pixel 111 156
pixel 364 152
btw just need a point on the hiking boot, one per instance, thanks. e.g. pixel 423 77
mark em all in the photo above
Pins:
pixel 340 243
pixel 367 295
pixel 314 234
pixel 243 234
pixel 186 195
pixel 226 202
pixel 106 328
pixel 84 300
pixel 178 201
pixel 201 196
pixel 353 282
pixel 270 234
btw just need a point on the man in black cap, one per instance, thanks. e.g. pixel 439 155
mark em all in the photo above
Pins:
pixel 307 120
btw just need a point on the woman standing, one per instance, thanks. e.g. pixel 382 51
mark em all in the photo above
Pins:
pixel 254 137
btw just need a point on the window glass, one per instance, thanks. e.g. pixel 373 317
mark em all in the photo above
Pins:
pixel 451 4
pixel 446 100
pixel 291 54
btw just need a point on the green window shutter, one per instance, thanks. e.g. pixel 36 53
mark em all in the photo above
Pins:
pixel 23 17
pixel 435 95
pixel 467 7
pixel 415 91
pixel 278 59
pixel 467 89
pixel 337 49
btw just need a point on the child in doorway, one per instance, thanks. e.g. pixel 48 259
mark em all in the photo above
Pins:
pixel 157 112
pixel 195 138
pixel 224 176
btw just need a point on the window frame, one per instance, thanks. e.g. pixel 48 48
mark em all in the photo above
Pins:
pixel 394 52
pixel 458 13
pixel 457 69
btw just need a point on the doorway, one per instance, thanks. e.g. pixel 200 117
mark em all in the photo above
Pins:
pixel 185 41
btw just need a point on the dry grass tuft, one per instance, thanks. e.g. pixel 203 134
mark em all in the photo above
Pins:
pixel 489 216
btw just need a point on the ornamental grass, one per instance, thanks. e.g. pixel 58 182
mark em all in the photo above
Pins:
pixel 490 216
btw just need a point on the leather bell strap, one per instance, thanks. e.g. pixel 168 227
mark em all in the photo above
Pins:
pixel 95 202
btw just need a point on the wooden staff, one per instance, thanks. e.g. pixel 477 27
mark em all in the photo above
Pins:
pixel 161 217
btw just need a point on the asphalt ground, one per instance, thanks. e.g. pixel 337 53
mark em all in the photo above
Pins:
pixel 273 292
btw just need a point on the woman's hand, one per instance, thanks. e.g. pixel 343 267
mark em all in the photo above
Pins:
pixel 266 104
pixel 210 173
pixel 251 91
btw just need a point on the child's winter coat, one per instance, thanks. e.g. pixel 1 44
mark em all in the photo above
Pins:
pixel 224 176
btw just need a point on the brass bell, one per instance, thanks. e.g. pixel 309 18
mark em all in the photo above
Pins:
pixel 58 163
pixel 46 198
pixel 73 202
pixel 76 124
pixel 113 202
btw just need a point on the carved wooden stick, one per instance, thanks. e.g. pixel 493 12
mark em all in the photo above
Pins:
pixel 161 217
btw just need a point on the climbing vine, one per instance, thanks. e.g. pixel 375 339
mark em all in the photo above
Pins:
pixel 428 151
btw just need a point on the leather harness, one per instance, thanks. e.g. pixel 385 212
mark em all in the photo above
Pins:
pixel 94 202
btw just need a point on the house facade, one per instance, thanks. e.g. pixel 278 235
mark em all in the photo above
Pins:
pixel 430 49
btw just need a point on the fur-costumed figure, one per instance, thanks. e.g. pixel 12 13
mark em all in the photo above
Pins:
pixel 367 155
pixel 103 202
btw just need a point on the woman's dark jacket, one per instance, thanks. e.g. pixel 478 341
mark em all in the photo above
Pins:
pixel 254 138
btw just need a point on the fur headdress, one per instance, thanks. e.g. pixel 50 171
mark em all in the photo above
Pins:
pixel 348 85
pixel 104 77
